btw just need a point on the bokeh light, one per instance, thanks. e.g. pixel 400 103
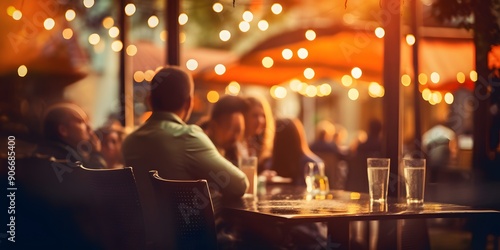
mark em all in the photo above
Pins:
pixel 139 76
pixel 108 22
pixel 276 8
pixel 311 91
pixel 302 53
pixel 49 23
pixel 346 80
pixel 435 77
pixel 267 62
pixel 449 98
pixel 220 69
pixel 153 21
pixel 325 89
pixel 22 71
pixel 422 78
pixel 217 7
pixel 353 94
pixel 17 15
pixel 67 33
pixel 88 3
pixel 426 94
pixel 410 39
pixel 192 64
pixel 310 35
pixel 225 35
pixel 309 73
pixel 356 72
pixel 114 32
pixel 263 25
pixel 473 75
pixel 212 96
pixel 405 80
pixel 244 26
pixel 287 54
pixel 247 16
pixel 379 32
pixel 233 88
pixel 460 77
pixel 130 9
pixel 94 38
pixel 148 75
pixel 131 50
pixel 295 84
pixel 117 46
pixel 183 18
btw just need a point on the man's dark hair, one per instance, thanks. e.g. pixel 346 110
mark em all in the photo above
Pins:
pixel 228 105
pixel 170 89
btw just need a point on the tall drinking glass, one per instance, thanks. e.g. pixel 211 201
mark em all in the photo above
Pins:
pixel 378 178
pixel 249 166
pixel 414 173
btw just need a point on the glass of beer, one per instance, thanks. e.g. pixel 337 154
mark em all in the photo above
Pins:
pixel 378 178
pixel 414 173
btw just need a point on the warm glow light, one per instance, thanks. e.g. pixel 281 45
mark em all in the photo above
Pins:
pixel 346 80
pixel 22 71
pixel 247 16
pixel 163 35
pixel 67 33
pixel 353 94
pixel 309 73
pixel 117 46
pixel 94 39
pixel 244 26
pixel 473 75
pixel 448 98
pixel 182 37
pixel 379 32
pixel 278 92
pixel 276 8
pixel 263 25
pixel 437 97
pixel 426 94
pixel 108 22
pixel 212 96
pixel 131 50
pixel 130 9
pixel 17 15
pixel 287 54
pixel 183 18
pixel 88 3
pixel 153 21
pixel 435 77
pixel 375 90
pixel 310 35
pixel 192 64
pixel 217 7
pixel 422 78
pixel 302 53
pixel 49 23
pixel 295 85
pixel 410 39
pixel 405 80
pixel 148 75
pixel 460 77
pixel 10 10
pixel 233 88
pixel 303 88
pixel 139 76
pixel 356 72
pixel 225 35
pixel 311 91
pixel 325 89
pixel 114 32
pixel 220 69
pixel 267 62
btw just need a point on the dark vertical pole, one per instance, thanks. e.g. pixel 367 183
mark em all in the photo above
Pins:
pixel 173 45
pixel 390 12
pixel 415 25
pixel 123 55
pixel 392 44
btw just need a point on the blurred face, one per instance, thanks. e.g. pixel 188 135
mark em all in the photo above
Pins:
pixel 75 130
pixel 255 121
pixel 228 130
pixel 111 146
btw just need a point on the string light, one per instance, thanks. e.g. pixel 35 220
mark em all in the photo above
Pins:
pixel 422 78
pixel 212 96
pixel 131 50
pixel 311 91
pixel 114 32
pixel 287 54
pixel 108 22
pixel 130 9
pixel 220 69
pixel 67 33
pixel 460 77
pixel 17 15
pixel 353 94
pixel 295 85
pixel 379 32
pixel 192 64
pixel 244 26
pixel 94 39
pixel 139 76
pixel 276 8
pixel 325 89
pixel 346 80
pixel 22 71
pixel 153 21
pixel 233 88
pixel 410 39
pixel 217 7
pixel 310 35
pixel 356 72
pixel 267 62
pixel 309 73
pixel 473 75
pixel 278 92
pixel 49 23
pixel 88 3
pixel 426 94
pixel 263 25
pixel 405 80
pixel 225 35
pixel 117 46
pixel 302 53
pixel 435 77
pixel 448 98
pixel 183 18
pixel 247 16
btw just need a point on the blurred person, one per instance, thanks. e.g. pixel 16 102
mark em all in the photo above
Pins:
pixel 357 178
pixel 227 125
pixel 177 150
pixel 259 131
pixel 440 146
pixel 324 147
pixel 291 152
pixel 112 135
pixel 68 136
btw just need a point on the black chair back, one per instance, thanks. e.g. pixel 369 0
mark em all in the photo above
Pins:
pixel 186 211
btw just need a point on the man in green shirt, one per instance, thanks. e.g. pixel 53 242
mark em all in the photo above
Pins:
pixel 177 150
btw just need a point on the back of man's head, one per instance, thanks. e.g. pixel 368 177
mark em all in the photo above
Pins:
pixel 171 88
pixel 228 105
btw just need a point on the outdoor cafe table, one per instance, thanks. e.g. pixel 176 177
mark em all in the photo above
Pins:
pixel 288 205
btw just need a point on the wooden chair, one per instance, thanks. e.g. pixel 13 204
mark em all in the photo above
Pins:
pixel 186 212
